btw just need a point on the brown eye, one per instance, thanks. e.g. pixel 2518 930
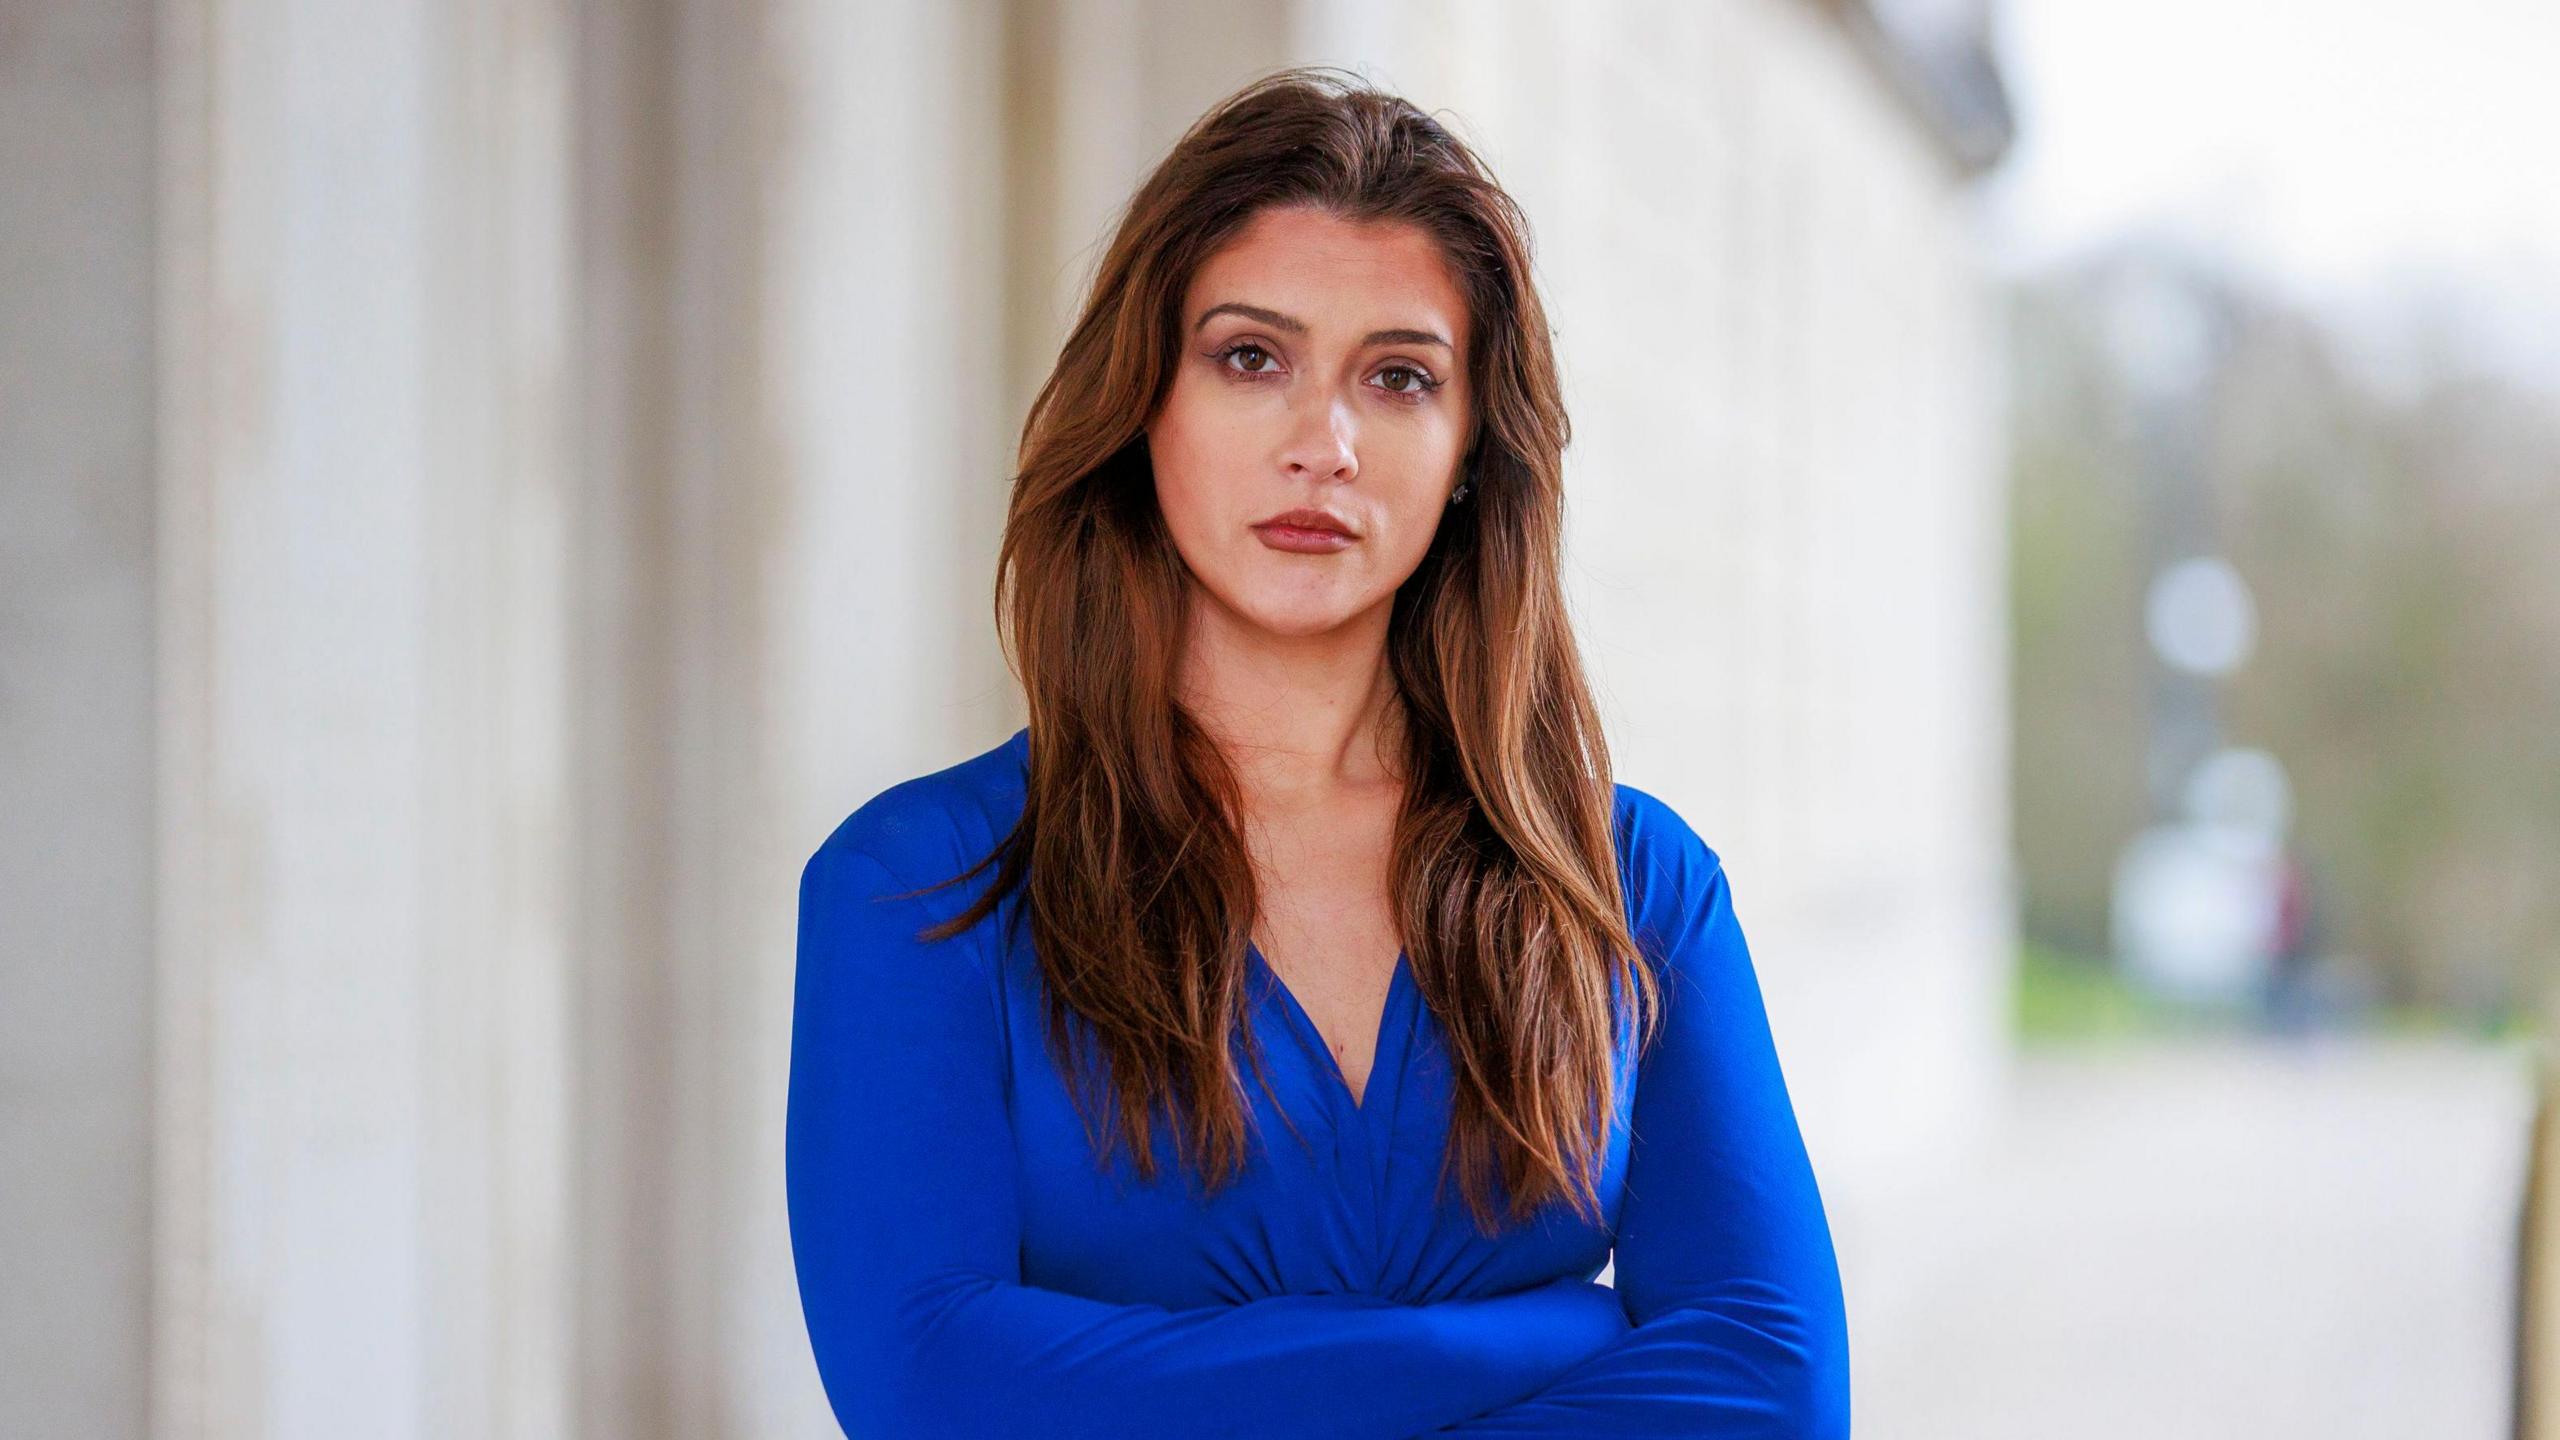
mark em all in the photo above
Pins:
pixel 1412 394
pixel 1245 347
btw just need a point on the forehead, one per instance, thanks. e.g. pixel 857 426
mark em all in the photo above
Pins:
pixel 1333 274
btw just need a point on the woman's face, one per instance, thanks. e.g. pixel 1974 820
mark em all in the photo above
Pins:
pixel 1323 368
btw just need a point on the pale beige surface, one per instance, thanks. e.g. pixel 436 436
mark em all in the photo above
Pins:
pixel 2214 1241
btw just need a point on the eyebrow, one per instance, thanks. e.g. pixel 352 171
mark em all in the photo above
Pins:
pixel 1294 326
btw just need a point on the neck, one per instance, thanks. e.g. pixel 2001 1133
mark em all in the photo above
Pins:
pixel 1294 713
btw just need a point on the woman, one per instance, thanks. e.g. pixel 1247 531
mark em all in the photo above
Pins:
pixel 1313 788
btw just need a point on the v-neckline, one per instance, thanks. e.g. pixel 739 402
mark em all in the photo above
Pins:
pixel 1398 983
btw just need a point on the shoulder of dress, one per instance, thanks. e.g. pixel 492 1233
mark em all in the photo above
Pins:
pixel 1658 848
pixel 930 827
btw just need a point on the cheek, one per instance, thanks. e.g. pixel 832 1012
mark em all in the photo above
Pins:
pixel 1184 463
pixel 1414 526
pixel 1201 451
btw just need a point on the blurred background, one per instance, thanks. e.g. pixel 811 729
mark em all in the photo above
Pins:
pixel 2065 497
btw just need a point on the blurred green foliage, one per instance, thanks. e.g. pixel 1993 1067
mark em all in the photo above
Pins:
pixel 2401 539
pixel 2065 998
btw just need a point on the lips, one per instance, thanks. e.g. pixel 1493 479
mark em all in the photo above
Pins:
pixel 1306 532
pixel 1304 519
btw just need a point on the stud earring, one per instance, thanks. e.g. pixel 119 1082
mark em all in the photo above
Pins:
pixel 1460 493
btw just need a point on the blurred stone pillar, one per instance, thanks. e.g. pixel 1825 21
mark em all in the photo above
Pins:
pixel 76 741
pixel 365 544
pixel 795 298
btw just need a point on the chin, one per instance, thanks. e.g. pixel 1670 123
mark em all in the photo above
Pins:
pixel 1299 619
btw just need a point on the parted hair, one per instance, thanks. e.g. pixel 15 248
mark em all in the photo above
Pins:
pixel 1128 858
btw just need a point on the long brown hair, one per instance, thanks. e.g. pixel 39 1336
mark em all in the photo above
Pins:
pixel 1138 887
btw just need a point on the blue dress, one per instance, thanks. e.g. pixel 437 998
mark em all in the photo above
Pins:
pixel 967 1270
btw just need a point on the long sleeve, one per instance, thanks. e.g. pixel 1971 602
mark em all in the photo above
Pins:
pixel 906 1234
pixel 1724 1255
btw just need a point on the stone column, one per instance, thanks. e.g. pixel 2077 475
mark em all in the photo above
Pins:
pixel 366 544
pixel 76 744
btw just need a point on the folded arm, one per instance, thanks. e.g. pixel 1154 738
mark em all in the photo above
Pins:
pixel 1724 1256
pixel 907 1239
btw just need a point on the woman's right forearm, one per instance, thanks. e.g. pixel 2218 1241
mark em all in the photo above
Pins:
pixel 976 1359
pixel 1526 1340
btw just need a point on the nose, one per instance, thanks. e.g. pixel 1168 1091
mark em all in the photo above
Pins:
pixel 1320 443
